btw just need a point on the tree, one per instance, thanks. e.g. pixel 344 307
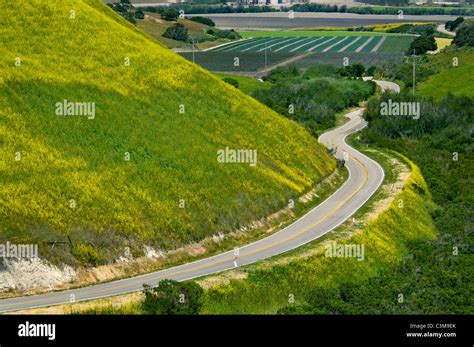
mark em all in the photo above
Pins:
pixel 124 7
pixel 423 44
pixel 172 297
pixel 176 32
pixel 170 14
pixel 139 14
pixel 371 70
pixel 352 71
pixel 203 20
pixel 465 34
pixel 452 25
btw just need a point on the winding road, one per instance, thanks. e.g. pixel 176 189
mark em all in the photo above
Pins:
pixel 442 29
pixel 365 176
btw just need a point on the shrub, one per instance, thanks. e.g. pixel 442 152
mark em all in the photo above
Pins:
pixel 172 297
pixel 231 81
pixel 203 20
pixel 371 70
pixel 87 255
pixel 170 14
pixel 139 14
pixel 176 32
pixel 282 73
pixel 224 34
pixel 352 71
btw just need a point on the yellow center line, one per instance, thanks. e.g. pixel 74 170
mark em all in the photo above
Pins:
pixel 245 254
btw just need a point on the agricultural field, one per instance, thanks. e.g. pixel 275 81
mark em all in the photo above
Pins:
pixel 442 43
pixel 374 29
pixel 312 32
pixel 258 53
pixel 141 169
pixel 324 43
pixel 218 61
pixel 338 59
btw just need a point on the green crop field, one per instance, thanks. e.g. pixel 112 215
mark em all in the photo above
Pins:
pixel 226 61
pixel 338 59
pixel 259 52
pixel 301 44
pixel 396 44
pixel 143 170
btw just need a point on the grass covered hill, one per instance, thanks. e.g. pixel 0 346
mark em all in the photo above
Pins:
pixel 454 73
pixel 120 178
pixel 450 71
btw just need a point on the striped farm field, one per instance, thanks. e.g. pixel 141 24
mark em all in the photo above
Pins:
pixel 306 44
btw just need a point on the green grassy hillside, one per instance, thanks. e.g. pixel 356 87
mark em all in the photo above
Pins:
pixel 246 84
pixel 48 160
pixel 457 80
pixel 155 27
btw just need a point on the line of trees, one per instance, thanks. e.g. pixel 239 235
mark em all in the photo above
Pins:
pixel 126 10
pixel 311 7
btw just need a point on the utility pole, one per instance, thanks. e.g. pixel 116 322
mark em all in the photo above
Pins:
pixel 414 69
pixel 265 55
pixel 193 50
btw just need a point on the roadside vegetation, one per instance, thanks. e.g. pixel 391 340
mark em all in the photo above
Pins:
pixel 319 284
pixel 439 273
pixel 168 298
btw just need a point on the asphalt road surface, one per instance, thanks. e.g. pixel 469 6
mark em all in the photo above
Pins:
pixel 365 176
pixel 443 30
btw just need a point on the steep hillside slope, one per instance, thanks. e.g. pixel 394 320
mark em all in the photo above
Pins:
pixel 142 168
